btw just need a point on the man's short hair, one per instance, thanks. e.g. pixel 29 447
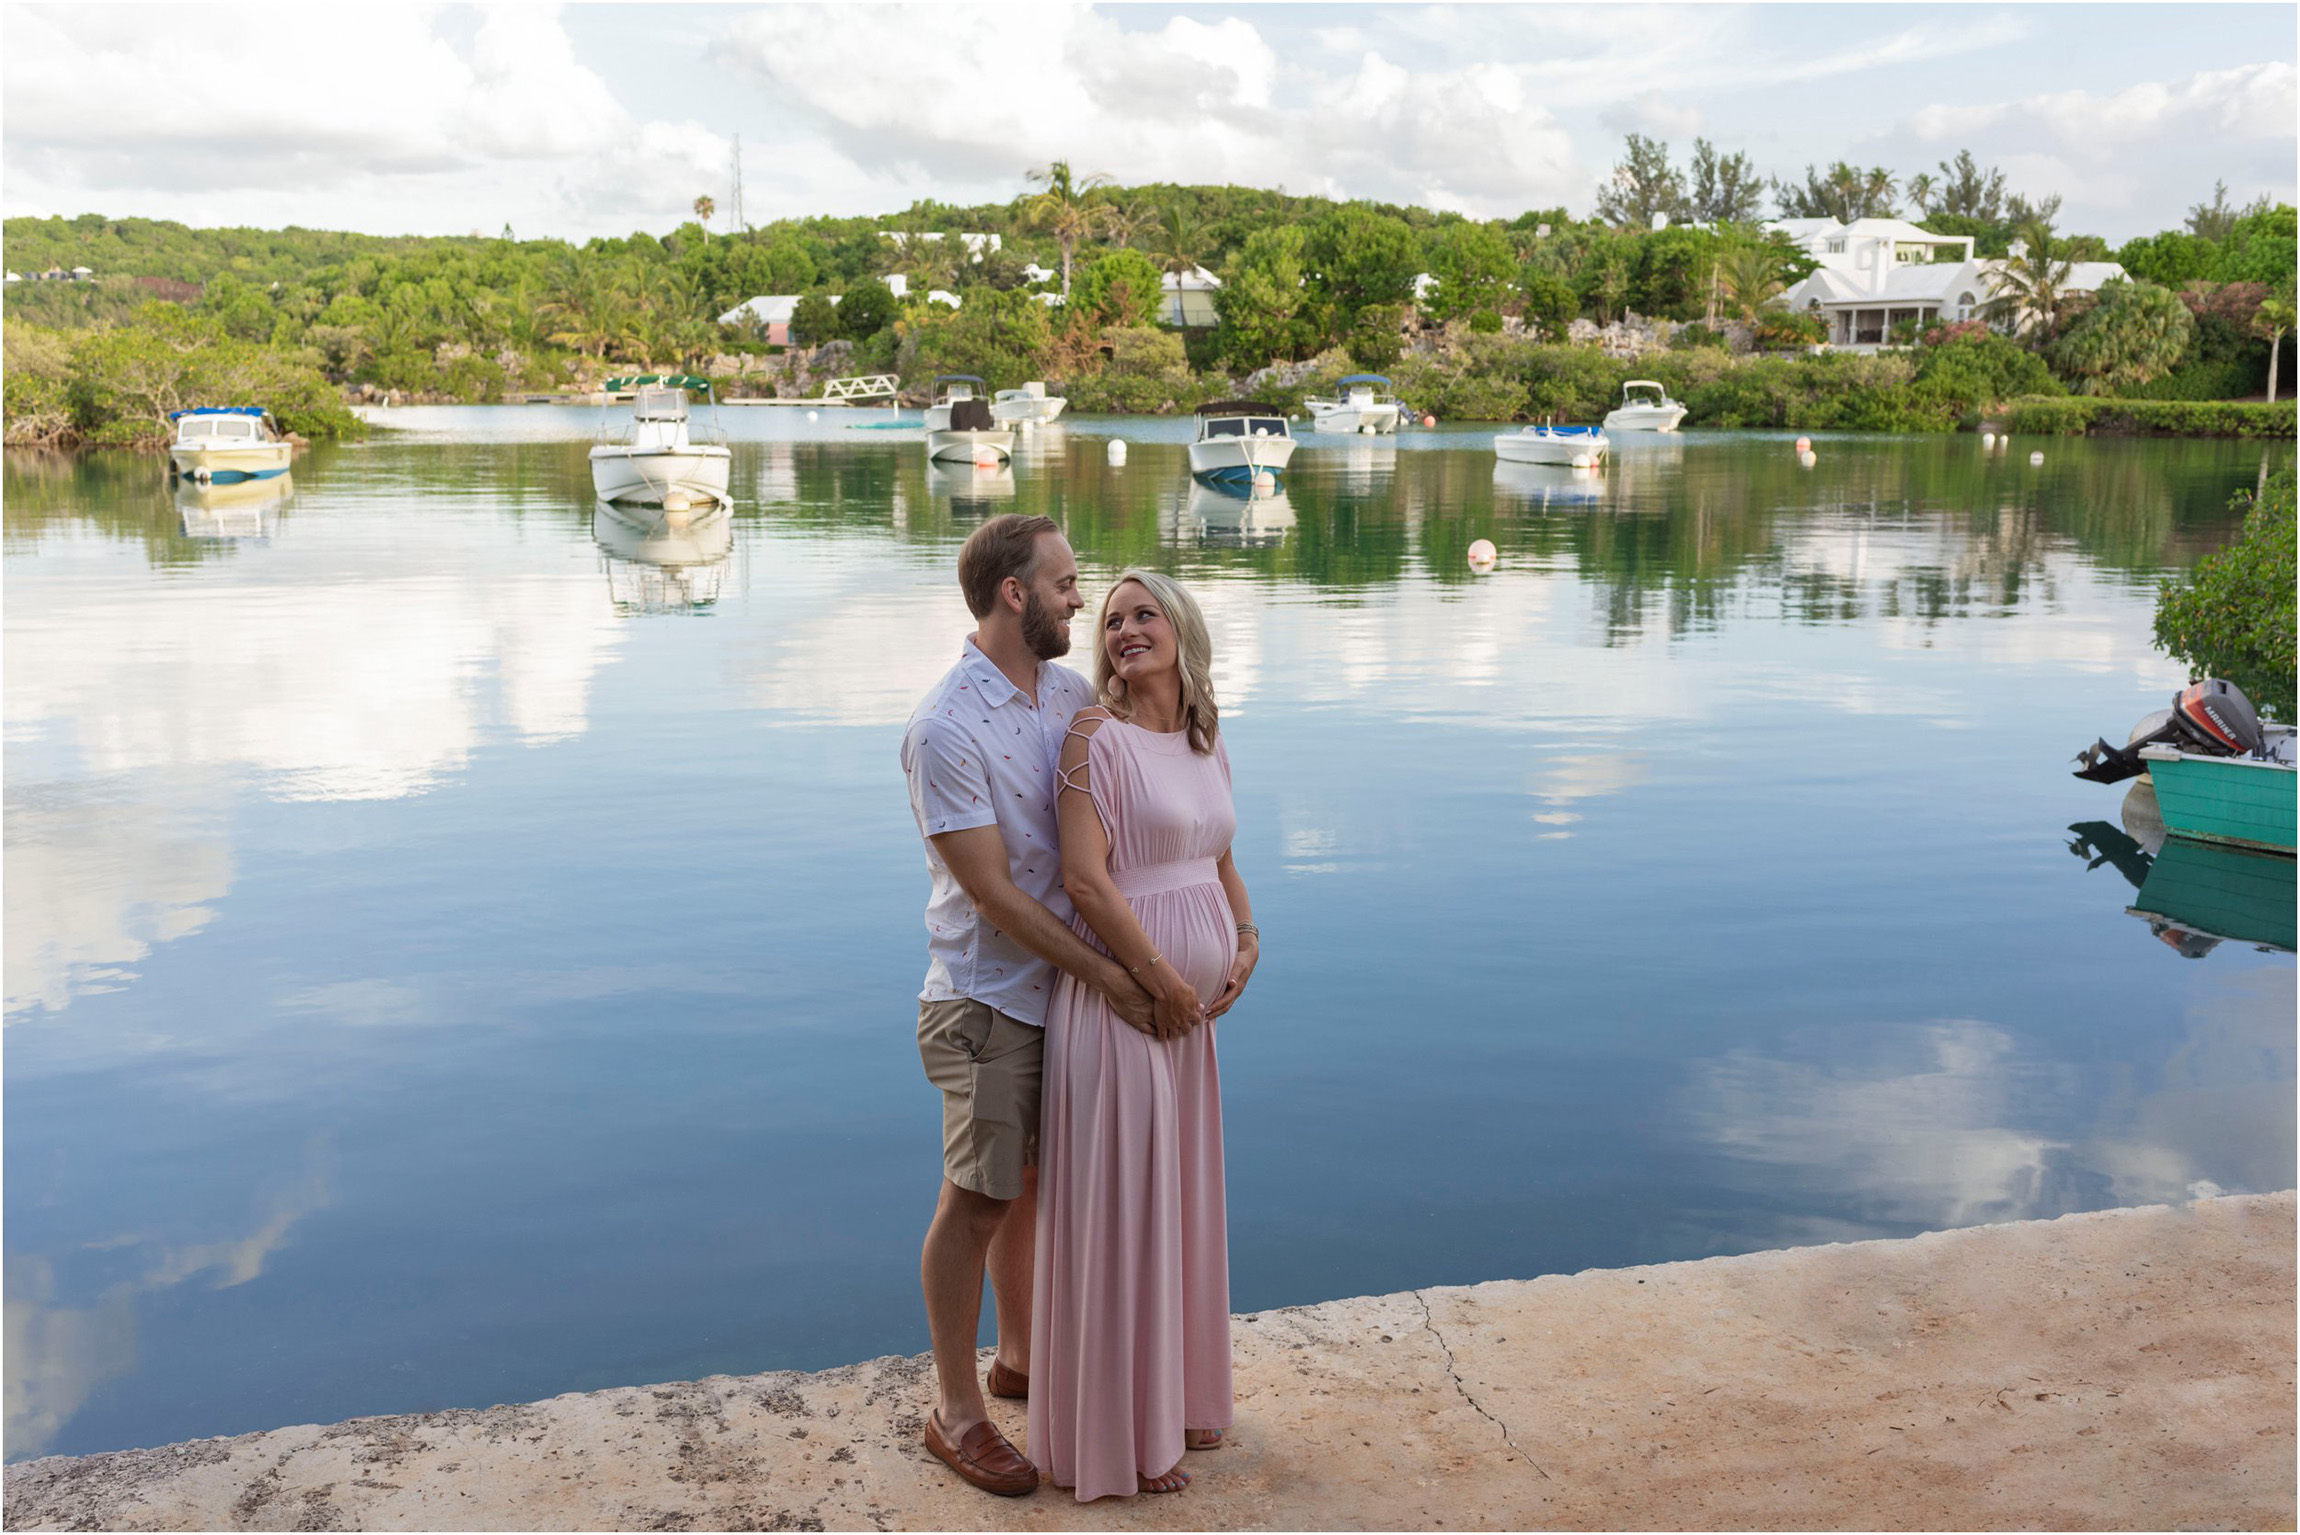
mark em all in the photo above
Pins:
pixel 1006 545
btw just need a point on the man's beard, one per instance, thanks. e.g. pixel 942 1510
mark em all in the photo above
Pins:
pixel 1040 630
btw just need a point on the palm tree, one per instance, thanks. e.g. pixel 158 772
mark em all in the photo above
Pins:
pixel 1065 208
pixel 1183 243
pixel 1922 189
pixel 1751 276
pixel 704 208
pixel 2031 284
pixel 2274 321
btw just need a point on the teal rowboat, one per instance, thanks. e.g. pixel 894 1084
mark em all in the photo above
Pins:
pixel 2241 800
pixel 2219 892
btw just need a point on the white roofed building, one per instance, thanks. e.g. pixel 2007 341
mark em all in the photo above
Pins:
pixel 1187 298
pixel 770 312
pixel 1877 273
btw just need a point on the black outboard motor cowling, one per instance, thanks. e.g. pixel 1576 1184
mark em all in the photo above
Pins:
pixel 2212 717
pixel 2219 718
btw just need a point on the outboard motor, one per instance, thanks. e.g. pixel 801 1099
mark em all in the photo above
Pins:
pixel 2212 717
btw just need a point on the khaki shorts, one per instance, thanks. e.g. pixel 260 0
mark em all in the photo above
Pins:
pixel 987 1066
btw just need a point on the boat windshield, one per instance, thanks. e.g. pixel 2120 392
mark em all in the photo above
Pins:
pixel 1245 426
pixel 658 404
pixel 213 428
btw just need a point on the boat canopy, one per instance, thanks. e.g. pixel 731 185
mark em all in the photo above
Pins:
pixel 667 380
pixel 1364 378
pixel 958 378
pixel 220 410
pixel 1240 408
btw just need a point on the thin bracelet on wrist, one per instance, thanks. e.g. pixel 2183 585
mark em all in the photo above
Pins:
pixel 1146 964
pixel 1248 927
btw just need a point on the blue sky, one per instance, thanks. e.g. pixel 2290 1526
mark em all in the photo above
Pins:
pixel 599 119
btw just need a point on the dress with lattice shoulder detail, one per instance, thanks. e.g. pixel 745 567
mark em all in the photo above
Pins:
pixel 1130 1328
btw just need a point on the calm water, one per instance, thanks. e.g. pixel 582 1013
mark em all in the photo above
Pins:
pixel 459 952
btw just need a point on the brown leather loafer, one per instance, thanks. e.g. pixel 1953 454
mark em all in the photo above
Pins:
pixel 1011 1384
pixel 984 1457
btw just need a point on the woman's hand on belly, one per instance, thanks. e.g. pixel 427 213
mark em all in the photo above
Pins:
pixel 1241 971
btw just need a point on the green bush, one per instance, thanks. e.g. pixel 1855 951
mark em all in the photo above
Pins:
pixel 1146 371
pixel 1966 371
pixel 2074 417
pixel 2233 616
pixel 2200 379
pixel 1695 335
pixel 2132 333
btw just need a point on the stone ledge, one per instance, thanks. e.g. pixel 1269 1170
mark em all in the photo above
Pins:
pixel 2122 1369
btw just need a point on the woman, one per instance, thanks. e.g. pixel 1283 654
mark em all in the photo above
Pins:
pixel 1131 1311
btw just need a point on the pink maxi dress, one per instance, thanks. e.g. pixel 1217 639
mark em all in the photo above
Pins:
pixel 1130 1317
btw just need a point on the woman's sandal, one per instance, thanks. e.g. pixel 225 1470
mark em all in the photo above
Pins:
pixel 1173 1480
pixel 1202 1438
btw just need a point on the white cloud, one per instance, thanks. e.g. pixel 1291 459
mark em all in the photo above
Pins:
pixel 2252 101
pixel 1654 114
pixel 934 94
pixel 219 113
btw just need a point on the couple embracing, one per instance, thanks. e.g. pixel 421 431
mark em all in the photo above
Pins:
pixel 1086 927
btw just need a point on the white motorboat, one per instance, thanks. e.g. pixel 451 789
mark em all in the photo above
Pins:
pixel 1363 406
pixel 1236 517
pixel 1575 447
pixel 959 424
pixel 1242 442
pixel 658 462
pixel 223 444
pixel 1030 405
pixel 232 509
pixel 663 562
pixel 1645 407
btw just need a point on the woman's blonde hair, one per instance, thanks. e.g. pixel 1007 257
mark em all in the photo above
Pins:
pixel 1195 650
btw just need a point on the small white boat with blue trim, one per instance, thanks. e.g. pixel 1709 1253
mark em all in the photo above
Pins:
pixel 1363 406
pixel 1645 407
pixel 960 427
pixel 658 462
pixel 222 444
pixel 1574 447
pixel 1241 442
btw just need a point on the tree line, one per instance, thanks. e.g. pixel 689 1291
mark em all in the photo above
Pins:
pixel 1304 281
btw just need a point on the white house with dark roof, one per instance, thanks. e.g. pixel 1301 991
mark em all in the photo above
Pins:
pixel 1876 273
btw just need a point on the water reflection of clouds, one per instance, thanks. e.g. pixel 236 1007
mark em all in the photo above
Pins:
pixel 166 692
pixel 95 882
pixel 57 1355
pixel 1933 1125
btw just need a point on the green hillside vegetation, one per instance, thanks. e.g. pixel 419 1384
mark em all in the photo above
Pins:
pixel 1311 288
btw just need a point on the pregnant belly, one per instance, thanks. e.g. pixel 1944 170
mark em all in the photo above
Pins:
pixel 1189 921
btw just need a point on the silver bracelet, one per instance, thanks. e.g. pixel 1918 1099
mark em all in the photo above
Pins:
pixel 1248 927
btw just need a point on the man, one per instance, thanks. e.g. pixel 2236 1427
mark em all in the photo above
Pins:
pixel 979 755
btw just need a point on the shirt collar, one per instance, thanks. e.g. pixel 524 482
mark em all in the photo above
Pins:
pixel 990 684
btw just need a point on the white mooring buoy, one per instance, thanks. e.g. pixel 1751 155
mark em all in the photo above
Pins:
pixel 2036 460
pixel 1117 451
pixel 1482 555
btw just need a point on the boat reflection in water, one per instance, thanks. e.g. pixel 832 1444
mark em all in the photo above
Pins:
pixel 235 511
pixel 1038 444
pixel 1216 517
pixel 1544 487
pixel 663 562
pixel 2194 896
pixel 972 491
pixel 1366 463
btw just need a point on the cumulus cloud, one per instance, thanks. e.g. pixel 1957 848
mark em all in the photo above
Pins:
pixel 933 93
pixel 2253 101
pixel 223 108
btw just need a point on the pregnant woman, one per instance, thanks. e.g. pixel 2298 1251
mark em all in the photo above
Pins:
pixel 1131 1309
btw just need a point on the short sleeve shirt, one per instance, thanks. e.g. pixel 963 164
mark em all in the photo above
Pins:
pixel 980 752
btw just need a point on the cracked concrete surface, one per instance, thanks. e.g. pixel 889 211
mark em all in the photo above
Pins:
pixel 2126 1369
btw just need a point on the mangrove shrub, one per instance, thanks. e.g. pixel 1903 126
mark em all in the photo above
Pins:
pixel 2233 616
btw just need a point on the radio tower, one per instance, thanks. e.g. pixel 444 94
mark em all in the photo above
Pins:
pixel 739 226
